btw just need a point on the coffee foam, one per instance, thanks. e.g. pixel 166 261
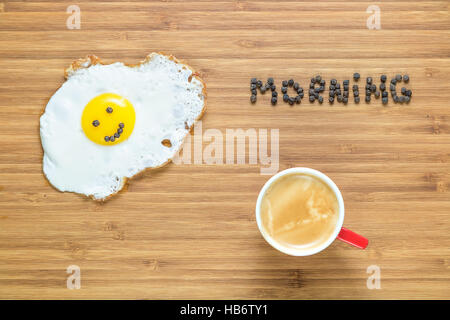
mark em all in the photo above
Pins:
pixel 299 211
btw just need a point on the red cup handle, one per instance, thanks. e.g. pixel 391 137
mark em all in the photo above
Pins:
pixel 353 238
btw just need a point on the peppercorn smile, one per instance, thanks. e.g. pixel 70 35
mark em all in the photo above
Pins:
pixel 108 119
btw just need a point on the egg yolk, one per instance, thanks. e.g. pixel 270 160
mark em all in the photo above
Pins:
pixel 108 119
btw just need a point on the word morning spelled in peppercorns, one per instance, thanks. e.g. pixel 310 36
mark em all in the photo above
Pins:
pixel 335 91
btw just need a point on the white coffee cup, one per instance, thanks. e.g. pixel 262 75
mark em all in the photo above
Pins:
pixel 338 232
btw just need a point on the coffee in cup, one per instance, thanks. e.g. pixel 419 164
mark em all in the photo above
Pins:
pixel 299 210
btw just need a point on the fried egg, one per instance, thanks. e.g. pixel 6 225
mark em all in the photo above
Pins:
pixel 107 123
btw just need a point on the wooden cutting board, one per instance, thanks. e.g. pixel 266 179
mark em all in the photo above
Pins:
pixel 189 231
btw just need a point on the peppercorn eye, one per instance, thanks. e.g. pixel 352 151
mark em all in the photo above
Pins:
pixel 108 119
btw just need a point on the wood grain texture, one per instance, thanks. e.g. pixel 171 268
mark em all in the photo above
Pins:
pixel 189 231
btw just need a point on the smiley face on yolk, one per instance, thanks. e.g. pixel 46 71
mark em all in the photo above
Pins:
pixel 108 119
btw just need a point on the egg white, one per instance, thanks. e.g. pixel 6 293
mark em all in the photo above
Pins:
pixel 165 101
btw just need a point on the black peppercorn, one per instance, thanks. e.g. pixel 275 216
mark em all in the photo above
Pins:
pixel 296 86
pixel 285 97
pixel 263 89
pixel 403 90
pixel 356 76
pixel 384 94
pixel 284 83
pixel 357 99
pixel 355 93
pixel 109 110
pixel 405 78
pixel 384 100
pixel 382 87
pixel 274 100
pixel 274 94
pixel 383 78
pixel 253 98
pixel 253 81
pixel 333 82
pixel 331 99
pixel 120 130
pixel 377 94
pixel 398 77
pixel 311 98
pixel 121 125
pixel 291 82
pixel 106 138
pixel 284 89
pixel 270 81
pixel 259 83
pixel 369 80
pixel 320 99
pixel 95 123
pixel 367 99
